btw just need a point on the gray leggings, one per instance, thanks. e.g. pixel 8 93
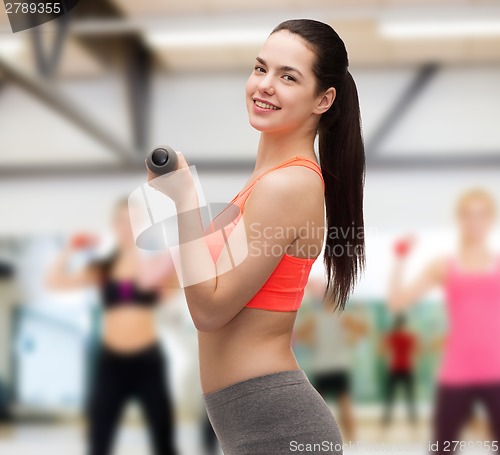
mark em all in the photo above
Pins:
pixel 275 414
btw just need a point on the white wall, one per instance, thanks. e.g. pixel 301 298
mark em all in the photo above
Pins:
pixel 458 112
pixel 204 115
pixel 34 134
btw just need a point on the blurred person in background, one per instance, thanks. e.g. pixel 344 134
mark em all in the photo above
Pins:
pixel 401 346
pixel 8 300
pixel 470 367
pixel 130 360
pixel 332 337
pixel 208 436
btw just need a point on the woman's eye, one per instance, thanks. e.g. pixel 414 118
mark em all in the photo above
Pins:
pixel 290 78
pixel 259 68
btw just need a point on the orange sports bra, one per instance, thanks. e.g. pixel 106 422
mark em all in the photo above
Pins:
pixel 284 289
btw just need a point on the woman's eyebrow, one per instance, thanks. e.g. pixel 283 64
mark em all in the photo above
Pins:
pixel 282 68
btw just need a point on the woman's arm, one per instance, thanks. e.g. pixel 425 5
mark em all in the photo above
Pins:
pixel 169 287
pixel 417 347
pixel 355 326
pixel 274 213
pixel 382 346
pixel 58 278
pixel 400 298
pixel 159 272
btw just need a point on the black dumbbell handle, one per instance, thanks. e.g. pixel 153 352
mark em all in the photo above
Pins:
pixel 162 160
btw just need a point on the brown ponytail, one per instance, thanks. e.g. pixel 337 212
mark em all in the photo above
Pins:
pixel 342 159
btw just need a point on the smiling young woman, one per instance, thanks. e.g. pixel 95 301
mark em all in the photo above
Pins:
pixel 258 399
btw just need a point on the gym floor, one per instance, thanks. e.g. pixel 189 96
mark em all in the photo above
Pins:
pixel 67 438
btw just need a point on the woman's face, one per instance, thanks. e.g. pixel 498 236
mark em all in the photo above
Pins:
pixel 475 218
pixel 281 91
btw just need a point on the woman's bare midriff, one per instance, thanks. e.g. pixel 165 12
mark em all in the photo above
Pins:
pixel 256 342
pixel 129 329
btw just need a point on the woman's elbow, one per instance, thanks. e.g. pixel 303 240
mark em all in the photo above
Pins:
pixel 206 325
pixel 200 327
pixel 58 284
pixel 207 321
pixel 200 322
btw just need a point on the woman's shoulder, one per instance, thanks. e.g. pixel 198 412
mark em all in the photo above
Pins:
pixel 102 265
pixel 285 197
pixel 292 184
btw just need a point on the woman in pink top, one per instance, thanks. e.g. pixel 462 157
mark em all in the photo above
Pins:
pixel 470 367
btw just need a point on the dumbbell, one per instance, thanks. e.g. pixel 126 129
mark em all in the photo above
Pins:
pixel 162 160
pixel 402 247
pixel 82 241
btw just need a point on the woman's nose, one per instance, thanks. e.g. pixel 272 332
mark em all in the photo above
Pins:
pixel 266 85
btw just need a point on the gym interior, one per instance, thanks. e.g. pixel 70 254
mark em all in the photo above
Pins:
pixel 83 98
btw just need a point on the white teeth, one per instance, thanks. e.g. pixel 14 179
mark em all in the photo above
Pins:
pixel 265 105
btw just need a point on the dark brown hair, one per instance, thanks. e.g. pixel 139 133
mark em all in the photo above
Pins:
pixel 342 158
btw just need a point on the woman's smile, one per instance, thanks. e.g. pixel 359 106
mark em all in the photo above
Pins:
pixel 263 106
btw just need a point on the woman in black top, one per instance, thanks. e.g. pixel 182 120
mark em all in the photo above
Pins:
pixel 130 362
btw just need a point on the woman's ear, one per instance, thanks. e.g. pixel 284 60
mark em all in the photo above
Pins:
pixel 326 101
